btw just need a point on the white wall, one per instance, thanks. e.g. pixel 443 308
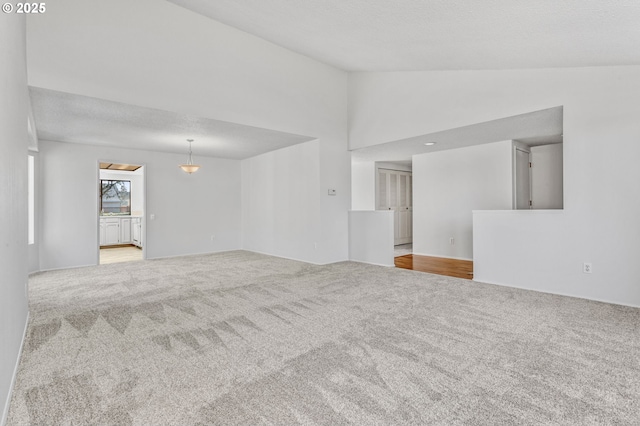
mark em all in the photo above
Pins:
pixel 393 166
pixel 546 264
pixel 33 250
pixel 160 55
pixel 363 181
pixel 137 186
pixel 280 201
pixel 546 176
pixel 599 222
pixel 13 193
pixel 447 186
pixel 188 209
pixel 363 185
pixel 371 237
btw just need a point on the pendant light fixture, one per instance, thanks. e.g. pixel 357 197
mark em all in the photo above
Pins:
pixel 189 167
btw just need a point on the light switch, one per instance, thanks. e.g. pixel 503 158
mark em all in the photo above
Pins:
pixel 152 216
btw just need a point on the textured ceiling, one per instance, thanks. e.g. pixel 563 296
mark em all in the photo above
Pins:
pixel 395 35
pixel 66 117
pixel 535 128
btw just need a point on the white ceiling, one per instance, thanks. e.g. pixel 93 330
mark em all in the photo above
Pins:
pixel 398 35
pixel 534 128
pixel 369 35
pixel 67 117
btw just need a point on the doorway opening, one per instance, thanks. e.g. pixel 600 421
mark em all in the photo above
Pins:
pixel 538 173
pixel 121 205
pixel 394 186
pixel 460 170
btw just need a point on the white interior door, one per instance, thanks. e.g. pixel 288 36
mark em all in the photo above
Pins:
pixel 523 179
pixel 395 193
pixel 382 197
pixel 404 222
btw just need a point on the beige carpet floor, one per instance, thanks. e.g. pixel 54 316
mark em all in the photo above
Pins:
pixel 242 338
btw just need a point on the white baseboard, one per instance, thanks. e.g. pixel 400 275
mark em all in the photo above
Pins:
pixel 372 263
pixel 235 249
pixel 5 411
pixel 63 268
pixel 285 257
pixel 204 253
pixel 556 293
pixel 148 258
pixel 444 257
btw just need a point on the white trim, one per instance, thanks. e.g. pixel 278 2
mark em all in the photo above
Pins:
pixel 191 254
pixel 558 294
pixel 68 267
pixel 143 235
pixel 371 263
pixel 518 146
pixel 371 211
pixel 5 411
pixel 258 252
pixel 292 258
pixel 444 257
pixel 150 258
pixel 521 212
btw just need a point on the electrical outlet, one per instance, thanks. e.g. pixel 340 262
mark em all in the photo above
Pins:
pixel 586 268
pixel 315 246
pixel 452 241
pixel 213 237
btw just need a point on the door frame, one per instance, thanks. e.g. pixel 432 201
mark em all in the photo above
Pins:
pixel 519 146
pixel 144 206
pixel 394 168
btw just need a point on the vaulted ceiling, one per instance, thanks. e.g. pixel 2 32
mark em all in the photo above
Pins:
pixel 403 35
pixel 354 35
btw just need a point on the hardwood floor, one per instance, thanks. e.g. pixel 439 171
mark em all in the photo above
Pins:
pixel 119 254
pixel 436 265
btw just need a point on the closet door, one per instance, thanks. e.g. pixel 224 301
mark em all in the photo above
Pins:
pixel 394 193
pixel 523 179
pixel 403 209
pixel 383 190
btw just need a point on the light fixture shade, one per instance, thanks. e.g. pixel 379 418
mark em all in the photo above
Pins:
pixel 189 168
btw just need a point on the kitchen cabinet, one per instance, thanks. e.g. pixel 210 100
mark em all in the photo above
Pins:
pixel 111 231
pixel 120 230
pixel 103 232
pixel 136 231
pixel 125 230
